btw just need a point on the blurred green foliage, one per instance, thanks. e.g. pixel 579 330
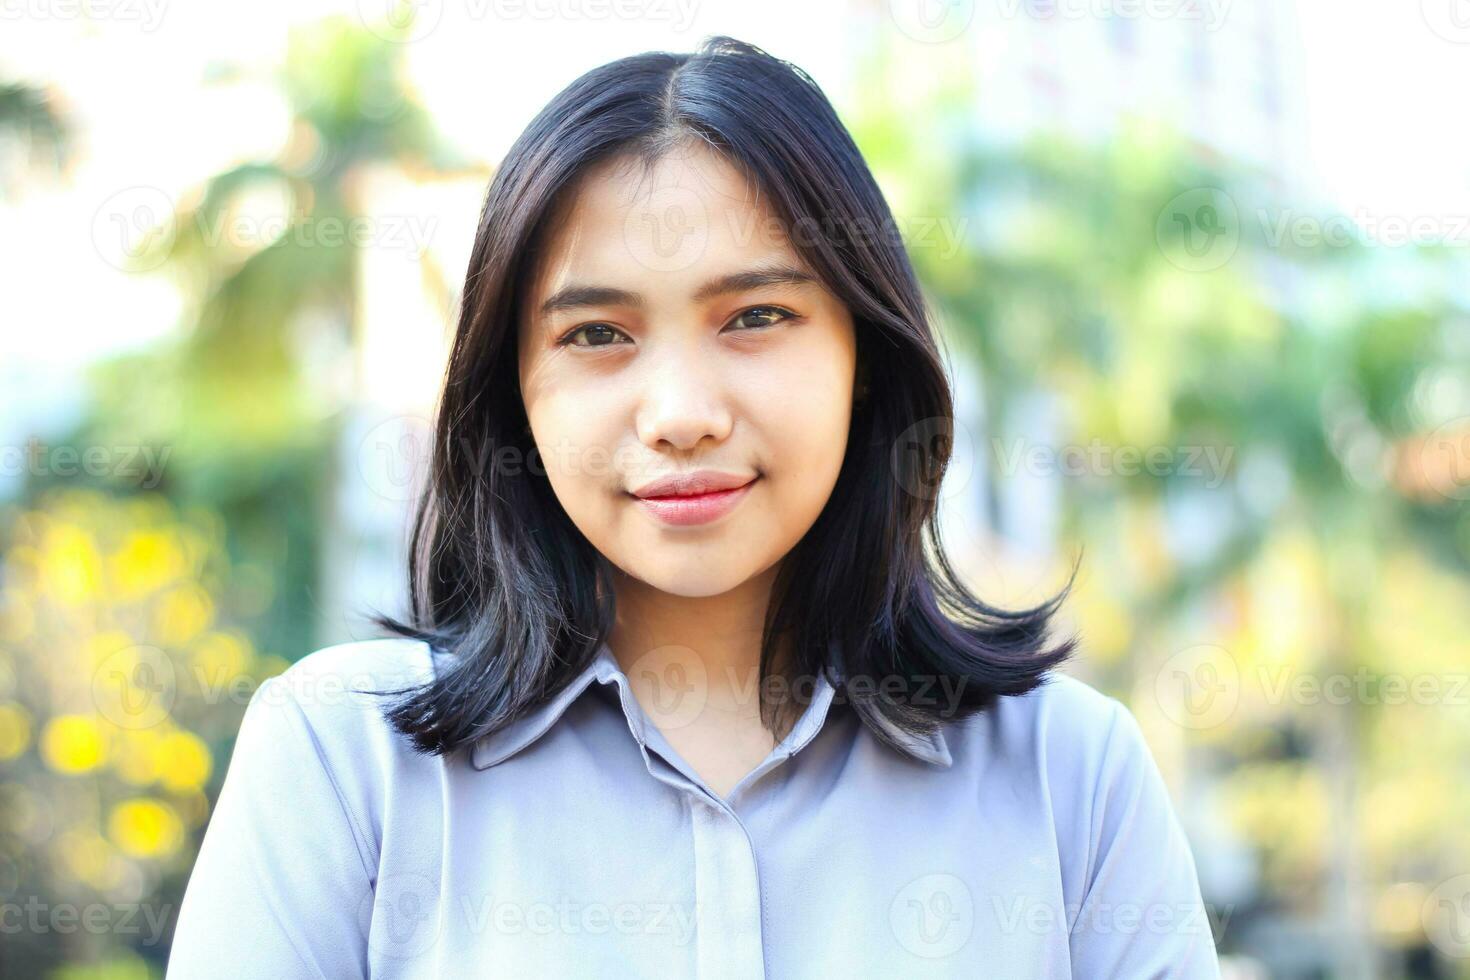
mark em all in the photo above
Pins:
pixel 1337 411
pixel 122 596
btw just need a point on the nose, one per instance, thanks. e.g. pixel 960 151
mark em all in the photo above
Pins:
pixel 684 400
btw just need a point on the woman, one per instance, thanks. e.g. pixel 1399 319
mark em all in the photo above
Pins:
pixel 682 692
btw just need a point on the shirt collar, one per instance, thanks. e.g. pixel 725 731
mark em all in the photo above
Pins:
pixel 505 742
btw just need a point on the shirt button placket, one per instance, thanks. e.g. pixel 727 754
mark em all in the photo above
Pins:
pixel 726 894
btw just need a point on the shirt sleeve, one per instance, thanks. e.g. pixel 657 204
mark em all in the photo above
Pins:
pixel 281 886
pixel 1142 916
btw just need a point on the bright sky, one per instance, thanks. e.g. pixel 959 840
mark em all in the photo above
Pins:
pixel 1385 84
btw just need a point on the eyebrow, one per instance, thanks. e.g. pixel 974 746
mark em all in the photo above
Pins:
pixel 578 296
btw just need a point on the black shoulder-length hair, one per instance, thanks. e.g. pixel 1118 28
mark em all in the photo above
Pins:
pixel 514 598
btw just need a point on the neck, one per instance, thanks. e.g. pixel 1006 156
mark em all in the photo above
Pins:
pixel 709 643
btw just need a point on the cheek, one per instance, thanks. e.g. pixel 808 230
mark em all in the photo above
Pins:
pixel 576 448
pixel 573 424
pixel 804 411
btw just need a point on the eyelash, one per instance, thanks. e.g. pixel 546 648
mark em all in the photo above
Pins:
pixel 785 314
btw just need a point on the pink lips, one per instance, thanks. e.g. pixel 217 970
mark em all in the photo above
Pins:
pixel 698 499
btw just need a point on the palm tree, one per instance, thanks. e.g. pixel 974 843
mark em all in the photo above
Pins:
pixel 245 398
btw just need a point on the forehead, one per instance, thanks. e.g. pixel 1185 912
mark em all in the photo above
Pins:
pixel 686 217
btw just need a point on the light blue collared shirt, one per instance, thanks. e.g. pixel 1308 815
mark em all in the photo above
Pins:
pixel 1034 840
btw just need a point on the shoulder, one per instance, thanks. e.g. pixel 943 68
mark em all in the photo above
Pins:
pixel 335 698
pixel 1073 739
pixel 294 839
pixel 1122 854
pixel 316 736
pixel 1060 719
pixel 353 674
pixel 1083 760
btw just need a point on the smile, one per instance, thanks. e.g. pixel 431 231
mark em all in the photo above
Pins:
pixel 692 509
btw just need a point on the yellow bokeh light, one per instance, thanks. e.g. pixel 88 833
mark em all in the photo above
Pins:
pixel 220 658
pixel 183 761
pixel 145 828
pixel 70 567
pixel 182 614
pixel 73 743
pixel 147 561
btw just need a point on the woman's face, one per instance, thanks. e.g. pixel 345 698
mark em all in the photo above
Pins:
pixel 670 330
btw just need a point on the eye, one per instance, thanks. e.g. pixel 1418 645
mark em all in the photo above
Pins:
pixel 762 317
pixel 605 334
pixel 602 331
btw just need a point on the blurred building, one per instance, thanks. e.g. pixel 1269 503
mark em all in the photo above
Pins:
pixel 1225 73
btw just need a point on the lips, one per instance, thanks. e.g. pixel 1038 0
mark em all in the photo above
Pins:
pixel 691 484
pixel 695 498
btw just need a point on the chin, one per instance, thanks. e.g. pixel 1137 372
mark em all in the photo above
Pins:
pixel 695 580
